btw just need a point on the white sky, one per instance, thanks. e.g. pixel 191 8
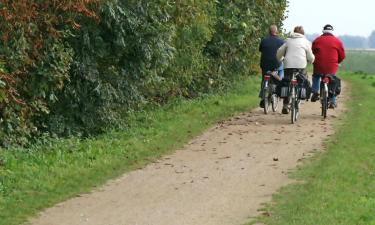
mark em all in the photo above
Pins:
pixel 346 16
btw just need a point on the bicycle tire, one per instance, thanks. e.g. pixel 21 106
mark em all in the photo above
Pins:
pixel 266 97
pixel 275 102
pixel 324 97
pixel 293 108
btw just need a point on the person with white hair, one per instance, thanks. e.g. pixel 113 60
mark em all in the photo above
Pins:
pixel 296 53
pixel 329 53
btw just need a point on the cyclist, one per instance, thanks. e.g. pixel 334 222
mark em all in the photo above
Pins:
pixel 268 62
pixel 295 53
pixel 329 52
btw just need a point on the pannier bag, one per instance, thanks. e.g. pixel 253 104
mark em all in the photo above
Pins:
pixel 282 89
pixel 304 88
pixel 334 86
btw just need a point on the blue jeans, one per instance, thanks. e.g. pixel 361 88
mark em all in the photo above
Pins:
pixel 280 72
pixel 316 86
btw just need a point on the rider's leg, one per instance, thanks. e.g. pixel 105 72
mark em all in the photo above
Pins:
pixel 332 99
pixel 332 102
pixel 288 73
pixel 315 87
pixel 280 71
pixel 315 83
pixel 261 103
pixel 285 109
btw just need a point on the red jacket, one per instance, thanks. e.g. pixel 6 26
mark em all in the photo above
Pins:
pixel 329 52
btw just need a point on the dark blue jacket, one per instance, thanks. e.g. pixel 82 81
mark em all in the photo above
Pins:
pixel 268 47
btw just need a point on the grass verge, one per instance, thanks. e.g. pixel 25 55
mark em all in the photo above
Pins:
pixel 36 178
pixel 338 186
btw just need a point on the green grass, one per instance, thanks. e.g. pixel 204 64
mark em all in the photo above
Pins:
pixel 36 178
pixel 360 61
pixel 338 186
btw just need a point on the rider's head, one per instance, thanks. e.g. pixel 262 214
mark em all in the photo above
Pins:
pixel 328 29
pixel 273 30
pixel 299 29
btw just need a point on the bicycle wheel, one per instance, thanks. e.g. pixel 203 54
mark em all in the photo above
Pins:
pixel 294 107
pixel 324 100
pixel 275 102
pixel 266 97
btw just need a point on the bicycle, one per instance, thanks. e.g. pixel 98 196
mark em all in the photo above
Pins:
pixel 294 96
pixel 269 91
pixel 324 94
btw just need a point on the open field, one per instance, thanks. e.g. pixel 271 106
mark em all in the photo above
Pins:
pixel 359 61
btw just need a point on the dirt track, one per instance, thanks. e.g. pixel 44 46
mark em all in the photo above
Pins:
pixel 221 178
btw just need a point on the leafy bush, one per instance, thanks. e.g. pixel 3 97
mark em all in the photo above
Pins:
pixel 37 61
pixel 76 67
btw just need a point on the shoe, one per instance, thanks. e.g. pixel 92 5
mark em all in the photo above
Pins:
pixel 332 105
pixel 285 110
pixel 261 103
pixel 315 97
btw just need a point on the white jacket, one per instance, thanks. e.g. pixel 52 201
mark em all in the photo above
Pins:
pixel 296 52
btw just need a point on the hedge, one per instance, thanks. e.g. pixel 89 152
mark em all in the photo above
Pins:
pixel 77 67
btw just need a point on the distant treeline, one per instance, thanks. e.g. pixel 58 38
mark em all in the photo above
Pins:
pixel 359 61
pixel 351 41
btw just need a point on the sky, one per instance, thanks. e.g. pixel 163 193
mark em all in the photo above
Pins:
pixel 346 16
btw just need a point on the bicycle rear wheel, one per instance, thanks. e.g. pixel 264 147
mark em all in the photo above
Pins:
pixel 266 97
pixel 275 102
pixel 294 107
pixel 324 101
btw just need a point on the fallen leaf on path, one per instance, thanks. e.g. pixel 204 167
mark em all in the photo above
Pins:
pixel 199 150
pixel 266 214
pixel 226 157
pixel 168 164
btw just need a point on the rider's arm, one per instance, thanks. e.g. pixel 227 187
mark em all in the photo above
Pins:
pixel 309 54
pixel 341 52
pixel 261 45
pixel 281 52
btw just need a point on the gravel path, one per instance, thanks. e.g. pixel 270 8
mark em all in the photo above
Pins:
pixel 220 178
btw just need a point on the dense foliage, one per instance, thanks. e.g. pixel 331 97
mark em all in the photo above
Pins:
pixel 75 67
